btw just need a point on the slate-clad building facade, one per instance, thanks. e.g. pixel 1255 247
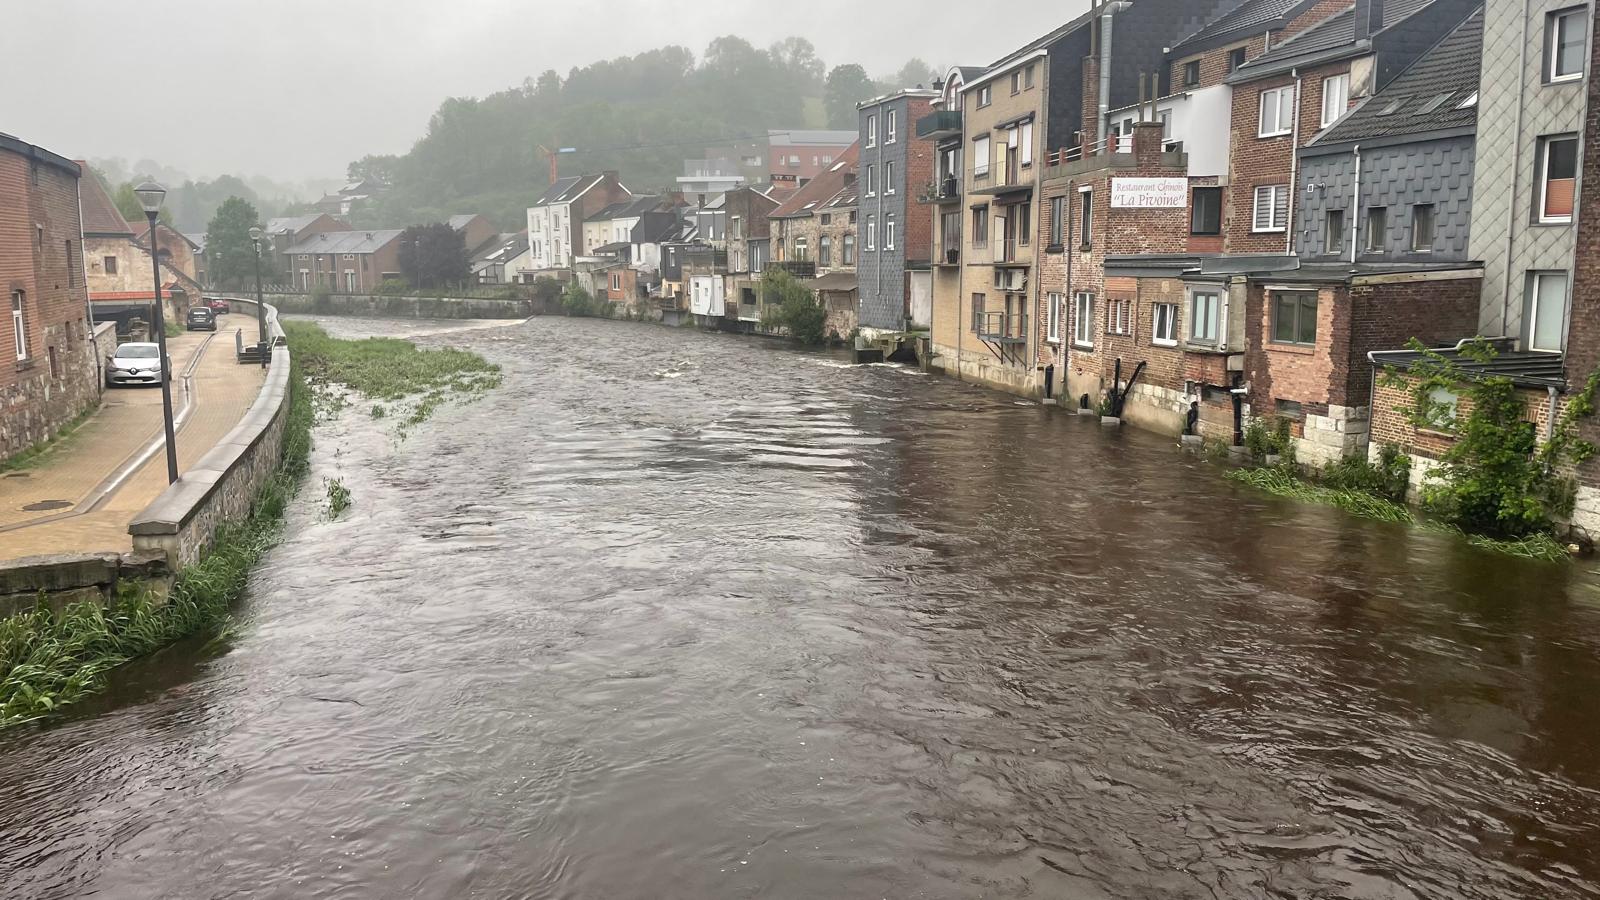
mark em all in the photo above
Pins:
pixel 895 167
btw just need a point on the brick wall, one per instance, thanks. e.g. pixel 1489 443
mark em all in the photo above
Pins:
pixel 1213 63
pixel 1388 312
pixel 1583 328
pixel 41 262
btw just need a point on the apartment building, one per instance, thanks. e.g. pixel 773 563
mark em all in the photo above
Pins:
pixel 815 236
pixel 50 374
pixel 285 232
pixel 556 221
pixel 346 262
pixel 897 168
pixel 749 251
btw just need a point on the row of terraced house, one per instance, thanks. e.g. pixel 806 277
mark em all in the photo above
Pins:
pixel 1193 212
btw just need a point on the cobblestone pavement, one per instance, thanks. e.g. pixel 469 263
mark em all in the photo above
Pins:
pixel 127 425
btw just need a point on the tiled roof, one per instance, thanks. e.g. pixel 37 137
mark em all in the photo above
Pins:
pixel 346 241
pixel 100 216
pixel 461 221
pixel 564 190
pixel 1526 368
pixel 1411 103
pixel 822 188
pixel 291 224
pixel 628 209
pixel 788 137
pixel 1330 34
pixel 1242 19
pixel 503 247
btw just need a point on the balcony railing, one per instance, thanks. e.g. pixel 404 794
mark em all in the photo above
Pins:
pixel 1000 327
pixel 799 268
pixel 942 124
pixel 949 255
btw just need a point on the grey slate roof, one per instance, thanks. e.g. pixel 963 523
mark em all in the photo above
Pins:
pixel 564 190
pixel 346 241
pixel 1450 69
pixel 800 138
pixel 504 247
pixel 1333 33
pixel 1240 20
pixel 291 224
pixel 628 209
pixel 461 221
pixel 1526 368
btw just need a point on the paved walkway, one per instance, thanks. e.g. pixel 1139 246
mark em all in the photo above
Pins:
pixel 115 464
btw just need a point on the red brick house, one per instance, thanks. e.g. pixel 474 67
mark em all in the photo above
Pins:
pixel 49 372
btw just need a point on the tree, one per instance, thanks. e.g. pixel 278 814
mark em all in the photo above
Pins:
pixel 913 73
pixel 798 57
pixel 789 306
pixel 229 246
pixel 433 256
pixel 374 166
pixel 847 85
pixel 128 204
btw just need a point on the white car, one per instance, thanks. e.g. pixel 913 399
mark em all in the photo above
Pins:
pixel 134 363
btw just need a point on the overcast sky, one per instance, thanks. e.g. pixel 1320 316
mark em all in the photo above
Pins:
pixel 298 88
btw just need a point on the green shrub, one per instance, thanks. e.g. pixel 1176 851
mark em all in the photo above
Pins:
pixel 575 301
pixel 1389 478
pixel 321 299
pixel 393 287
pixel 792 308
pixel 1257 440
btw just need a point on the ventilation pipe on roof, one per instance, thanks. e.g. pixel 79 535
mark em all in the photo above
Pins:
pixel 1110 9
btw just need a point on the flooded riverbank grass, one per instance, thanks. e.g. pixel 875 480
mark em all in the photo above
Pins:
pixel 50 660
pixel 390 369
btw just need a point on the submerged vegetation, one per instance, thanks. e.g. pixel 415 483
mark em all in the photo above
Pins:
pixel 49 659
pixel 390 369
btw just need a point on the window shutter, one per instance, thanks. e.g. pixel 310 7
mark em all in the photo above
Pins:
pixel 1280 207
pixel 1263 213
pixel 1027 144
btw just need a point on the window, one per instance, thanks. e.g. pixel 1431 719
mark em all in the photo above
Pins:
pixel 1027 144
pixel 980 226
pixel 38 237
pixel 1335 98
pixel 109 265
pixel 1394 106
pixel 1164 324
pixel 1058 215
pixel 891 127
pixel 1205 215
pixel 1558 172
pixel 827 218
pixel 55 363
pixel 1205 308
pixel 872 182
pixel 1016 82
pixel 1191 73
pixel 1288 409
pixel 1083 320
pixel 1086 218
pixel 1546 315
pixel 888 178
pixel 872 232
pixel 1277 112
pixel 1027 76
pixel 735 228
pixel 1294 317
pixel 1272 208
pixel 985 96
pixel 980 157
pixel 1434 103
pixel 825 251
pixel 802 249
pixel 872 131
pixel 19 323
pixel 888 231
pixel 977 312
pixel 1333 231
pixel 1422 227
pixel 1118 316
pixel 1377 228
pixel 1565 32
pixel 1053 319
pixel 1471 101
pixel 1235 59
pixel 350 281
pixel 848 256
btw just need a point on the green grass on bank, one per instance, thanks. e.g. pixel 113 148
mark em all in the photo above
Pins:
pixel 1284 483
pixel 390 369
pixel 50 660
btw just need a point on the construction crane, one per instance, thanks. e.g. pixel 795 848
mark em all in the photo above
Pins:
pixel 554 157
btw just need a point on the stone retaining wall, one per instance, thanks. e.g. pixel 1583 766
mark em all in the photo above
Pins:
pixel 221 487
pixel 406 307
pixel 64 579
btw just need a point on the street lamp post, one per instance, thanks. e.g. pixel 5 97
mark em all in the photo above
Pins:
pixel 150 196
pixel 261 301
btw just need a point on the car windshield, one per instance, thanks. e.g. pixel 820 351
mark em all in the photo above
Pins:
pixel 136 353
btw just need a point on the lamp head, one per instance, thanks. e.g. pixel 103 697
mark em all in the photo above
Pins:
pixel 150 196
pixel 255 233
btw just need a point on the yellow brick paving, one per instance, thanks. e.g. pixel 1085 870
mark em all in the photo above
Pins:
pixel 128 421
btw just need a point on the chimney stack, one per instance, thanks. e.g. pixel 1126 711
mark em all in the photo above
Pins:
pixel 1369 18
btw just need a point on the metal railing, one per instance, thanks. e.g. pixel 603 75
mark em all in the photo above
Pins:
pixel 1001 327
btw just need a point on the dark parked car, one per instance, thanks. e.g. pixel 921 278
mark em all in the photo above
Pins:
pixel 201 318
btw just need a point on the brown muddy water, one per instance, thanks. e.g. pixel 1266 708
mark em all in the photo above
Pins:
pixel 694 616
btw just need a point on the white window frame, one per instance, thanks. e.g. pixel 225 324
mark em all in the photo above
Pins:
pixel 1546 144
pixel 1118 316
pixel 1533 308
pixel 1553 44
pixel 872 233
pixel 350 280
pixel 1083 320
pixel 1170 337
pixel 1027 144
pixel 888 231
pixel 1342 84
pixel 891 126
pixel 985 96
pixel 980 157
pixel 872 182
pixel 19 322
pixel 1085 217
pixel 1274 224
pixel 872 131
pixel 1280 127
pixel 1053 318
pixel 1211 318
pixel 888 178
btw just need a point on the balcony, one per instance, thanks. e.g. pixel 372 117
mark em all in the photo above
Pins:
pixel 939 125
pixel 949 256
pixel 1001 327
pixel 1008 179
pixel 799 268
pixel 945 190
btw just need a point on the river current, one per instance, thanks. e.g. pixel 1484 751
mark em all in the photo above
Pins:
pixel 695 616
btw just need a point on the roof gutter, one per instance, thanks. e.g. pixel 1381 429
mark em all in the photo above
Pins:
pixel 994 73
pixel 1347 51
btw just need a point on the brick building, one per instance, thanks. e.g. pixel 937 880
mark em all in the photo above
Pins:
pixel 116 261
pixel 897 168
pixel 556 220
pixel 817 236
pixel 51 370
pixel 285 232
pixel 346 262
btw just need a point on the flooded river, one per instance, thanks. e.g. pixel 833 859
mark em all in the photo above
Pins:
pixel 691 616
